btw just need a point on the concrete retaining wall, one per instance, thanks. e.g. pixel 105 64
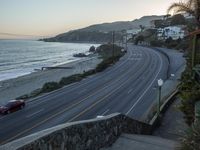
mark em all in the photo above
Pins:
pixel 83 135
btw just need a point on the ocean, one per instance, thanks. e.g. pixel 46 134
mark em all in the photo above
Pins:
pixel 21 57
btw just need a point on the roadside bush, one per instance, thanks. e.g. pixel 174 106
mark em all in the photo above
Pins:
pixel 50 86
pixel 71 79
pixel 189 94
pixel 104 64
pixel 156 43
pixel 106 51
pixel 26 96
pixel 88 73
pixel 191 141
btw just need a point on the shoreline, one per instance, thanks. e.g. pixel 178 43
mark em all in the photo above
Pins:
pixel 12 88
pixel 35 70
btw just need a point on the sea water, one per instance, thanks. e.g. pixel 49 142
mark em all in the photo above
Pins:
pixel 21 57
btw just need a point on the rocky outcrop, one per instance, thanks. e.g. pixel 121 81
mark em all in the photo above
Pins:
pixel 83 135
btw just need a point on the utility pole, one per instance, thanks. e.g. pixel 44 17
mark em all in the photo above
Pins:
pixel 113 46
pixel 193 54
pixel 126 42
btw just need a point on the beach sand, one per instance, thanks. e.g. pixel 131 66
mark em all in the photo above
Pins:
pixel 12 88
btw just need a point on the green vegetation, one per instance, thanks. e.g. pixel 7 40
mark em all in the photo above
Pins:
pixel 105 51
pixel 192 138
pixel 189 94
pixel 190 6
pixel 172 21
pixel 189 88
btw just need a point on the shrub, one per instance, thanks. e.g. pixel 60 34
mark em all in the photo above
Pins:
pixel 191 141
pixel 71 79
pixel 50 86
pixel 88 73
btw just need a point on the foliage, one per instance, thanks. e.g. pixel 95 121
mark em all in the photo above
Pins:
pixel 159 23
pixel 177 20
pixel 189 94
pixel 191 7
pixel 191 141
pixel 71 79
pixel 138 39
pixel 106 50
pixel 50 86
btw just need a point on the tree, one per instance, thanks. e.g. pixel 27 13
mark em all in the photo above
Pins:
pixel 191 7
pixel 178 20
pixel 138 39
pixel 142 28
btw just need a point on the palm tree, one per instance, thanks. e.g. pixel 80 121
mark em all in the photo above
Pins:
pixel 191 7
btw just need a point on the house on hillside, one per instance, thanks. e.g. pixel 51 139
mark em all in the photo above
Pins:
pixel 175 32
pixel 132 32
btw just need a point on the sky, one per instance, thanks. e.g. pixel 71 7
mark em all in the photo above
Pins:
pixel 51 17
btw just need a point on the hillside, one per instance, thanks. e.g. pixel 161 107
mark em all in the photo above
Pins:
pixel 102 32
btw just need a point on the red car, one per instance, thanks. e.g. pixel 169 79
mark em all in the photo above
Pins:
pixel 12 106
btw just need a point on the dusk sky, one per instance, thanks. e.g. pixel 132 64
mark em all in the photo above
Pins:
pixel 50 17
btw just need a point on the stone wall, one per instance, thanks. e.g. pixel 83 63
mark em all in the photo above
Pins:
pixel 82 135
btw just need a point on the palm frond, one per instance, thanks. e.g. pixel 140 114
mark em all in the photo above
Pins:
pixel 196 7
pixel 180 7
pixel 190 3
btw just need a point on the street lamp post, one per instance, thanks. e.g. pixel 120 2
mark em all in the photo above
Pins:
pixel 113 45
pixel 160 83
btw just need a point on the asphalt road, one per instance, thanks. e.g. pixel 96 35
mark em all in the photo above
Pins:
pixel 128 87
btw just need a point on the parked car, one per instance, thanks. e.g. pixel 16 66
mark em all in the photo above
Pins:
pixel 12 106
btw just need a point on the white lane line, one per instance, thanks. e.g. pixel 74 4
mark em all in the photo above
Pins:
pixel 80 84
pixel 28 116
pixel 130 91
pixel 105 112
pixel 149 84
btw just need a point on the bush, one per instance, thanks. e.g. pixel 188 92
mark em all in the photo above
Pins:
pixel 88 73
pixel 71 79
pixel 106 51
pixel 50 86
pixel 191 141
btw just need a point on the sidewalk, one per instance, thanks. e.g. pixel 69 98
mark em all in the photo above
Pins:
pixel 142 142
pixel 173 125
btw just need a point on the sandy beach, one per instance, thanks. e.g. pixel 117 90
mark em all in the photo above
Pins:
pixel 12 88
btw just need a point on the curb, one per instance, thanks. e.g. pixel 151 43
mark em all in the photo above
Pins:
pixel 155 121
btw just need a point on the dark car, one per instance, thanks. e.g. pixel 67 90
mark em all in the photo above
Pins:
pixel 12 106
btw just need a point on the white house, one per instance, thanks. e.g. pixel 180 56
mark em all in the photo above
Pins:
pixel 175 32
pixel 132 32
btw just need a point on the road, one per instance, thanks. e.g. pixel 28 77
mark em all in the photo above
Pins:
pixel 127 87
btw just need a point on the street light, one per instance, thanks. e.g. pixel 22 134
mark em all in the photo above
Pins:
pixel 160 84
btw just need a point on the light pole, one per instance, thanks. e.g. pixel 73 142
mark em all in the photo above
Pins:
pixel 160 84
pixel 113 45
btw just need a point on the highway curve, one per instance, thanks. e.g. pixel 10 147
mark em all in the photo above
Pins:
pixel 128 87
